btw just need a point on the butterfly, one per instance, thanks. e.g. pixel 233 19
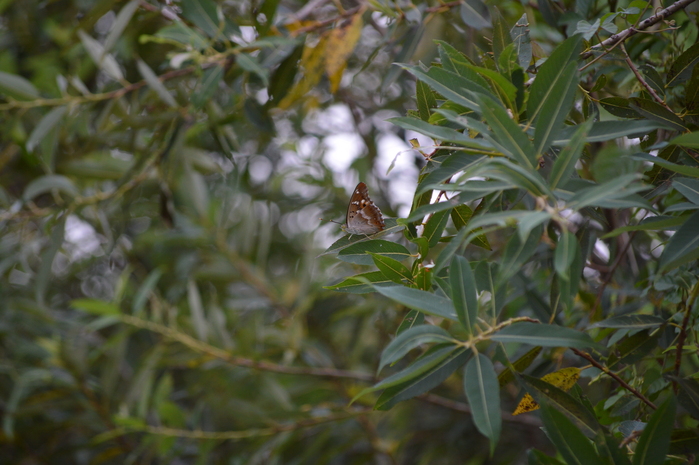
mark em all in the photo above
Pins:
pixel 363 217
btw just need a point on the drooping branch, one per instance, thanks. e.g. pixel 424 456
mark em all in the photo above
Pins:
pixel 643 25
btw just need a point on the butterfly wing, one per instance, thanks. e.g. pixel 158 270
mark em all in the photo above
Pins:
pixel 363 217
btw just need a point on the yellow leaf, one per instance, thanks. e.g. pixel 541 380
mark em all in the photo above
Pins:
pixel 341 42
pixel 563 379
pixel 312 70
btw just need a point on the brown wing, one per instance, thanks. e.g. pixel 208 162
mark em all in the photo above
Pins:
pixel 360 193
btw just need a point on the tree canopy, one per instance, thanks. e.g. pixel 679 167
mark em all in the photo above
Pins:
pixel 170 295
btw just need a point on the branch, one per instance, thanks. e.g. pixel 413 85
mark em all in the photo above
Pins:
pixel 242 434
pixel 613 375
pixel 683 331
pixel 645 24
pixel 650 90
pixel 225 356
pixel 463 408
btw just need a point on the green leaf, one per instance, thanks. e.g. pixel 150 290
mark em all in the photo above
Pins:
pixel 475 14
pixel 452 86
pixel 145 290
pixel 435 226
pixel 43 277
pixel 630 322
pixel 449 167
pixel 425 381
pixel 607 130
pixel 657 112
pixel 207 86
pixel 104 61
pixel 47 183
pixel 204 14
pixel 599 194
pixel 556 104
pixel 543 335
pixel 517 251
pixel 688 394
pixel 687 187
pixel 249 63
pixel 654 223
pixel 683 246
pixel 483 394
pixel 681 69
pixel 17 87
pixel 96 307
pixel 439 132
pixel 519 366
pixel 501 36
pixel 586 29
pixel 357 284
pixel 556 68
pixel 570 442
pixel 427 302
pixel 44 127
pixel 536 457
pixel 564 166
pixel 654 443
pixel 522 42
pixel 412 319
pixel 565 254
pixel 410 339
pixel 463 292
pixel 425 100
pixel 155 83
pixel 179 34
pixel 461 215
pixel 359 253
pixel 508 135
pixel 548 394
pixel 619 106
pixel 682 169
pixel 120 23
pixel 392 269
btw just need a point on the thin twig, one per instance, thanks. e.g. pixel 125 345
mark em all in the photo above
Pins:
pixel 645 24
pixel 683 331
pixel 225 356
pixel 443 7
pixel 643 82
pixel 325 22
pixel 612 269
pixel 463 408
pixel 614 376
pixel 243 434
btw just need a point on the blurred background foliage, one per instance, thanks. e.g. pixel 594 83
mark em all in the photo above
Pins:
pixel 162 170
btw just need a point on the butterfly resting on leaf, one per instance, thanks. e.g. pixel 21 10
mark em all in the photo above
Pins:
pixel 363 216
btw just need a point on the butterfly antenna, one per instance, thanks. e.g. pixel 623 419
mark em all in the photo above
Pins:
pixel 330 221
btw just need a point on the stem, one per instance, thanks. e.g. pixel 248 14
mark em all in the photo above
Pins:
pixel 645 24
pixel 614 376
pixel 650 90
pixel 683 331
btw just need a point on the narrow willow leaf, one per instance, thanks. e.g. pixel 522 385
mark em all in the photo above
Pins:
pixel 682 169
pixel 120 22
pixel 683 246
pixel 501 36
pixel 688 395
pixel 519 366
pixel 463 292
pixel 564 166
pixel 508 134
pixel 104 61
pixel 571 443
pixel 412 319
pixel 410 339
pixel 630 322
pixel 392 269
pixel 44 184
pixel 425 381
pixel 425 100
pixel 565 254
pixel 522 41
pixel 681 68
pixel 517 252
pixel 96 307
pixel 439 132
pixel 556 106
pixel 49 121
pixel 17 87
pixel 654 111
pixel 475 14
pixel 43 277
pixel 362 283
pixel 427 302
pixel 545 392
pixel 155 83
pixel 145 290
pixel 657 223
pixel 551 72
pixel 359 253
pixel 435 227
pixel 654 442
pixel 543 335
pixel 564 379
pixel 687 187
pixel 602 131
pixel 483 394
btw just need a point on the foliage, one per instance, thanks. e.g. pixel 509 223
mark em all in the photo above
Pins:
pixel 162 295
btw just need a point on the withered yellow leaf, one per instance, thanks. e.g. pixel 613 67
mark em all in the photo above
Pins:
pixel 341 42
pixel 311 69
pixel 563 379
